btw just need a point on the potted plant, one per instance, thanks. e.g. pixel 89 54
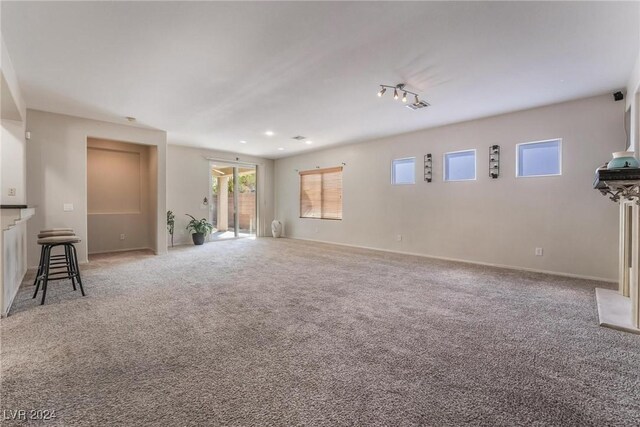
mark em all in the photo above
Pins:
pixel 171 222
pixel 200 228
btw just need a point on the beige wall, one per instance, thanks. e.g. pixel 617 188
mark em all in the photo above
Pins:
pixel 188 183
pixel 57 172
pixel 497 222
pixel 119 181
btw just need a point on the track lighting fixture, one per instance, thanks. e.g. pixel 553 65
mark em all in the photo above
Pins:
pixel 400 87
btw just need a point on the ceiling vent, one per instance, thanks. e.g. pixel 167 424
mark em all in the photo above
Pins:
pixel 299 137
pixel 418 105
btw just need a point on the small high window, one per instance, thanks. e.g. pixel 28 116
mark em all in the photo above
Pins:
pixel 403 171
pixel 460 166
pixel 540 158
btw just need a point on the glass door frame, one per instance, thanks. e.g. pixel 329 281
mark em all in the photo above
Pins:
pixel 236 165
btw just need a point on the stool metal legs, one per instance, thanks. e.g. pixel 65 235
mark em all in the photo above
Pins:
pixel 76 267
pixel 35 281
pixel 70 264
pixel 45 280
pixel 56 258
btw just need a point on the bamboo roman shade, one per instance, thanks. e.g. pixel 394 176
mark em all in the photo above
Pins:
pixel 321 193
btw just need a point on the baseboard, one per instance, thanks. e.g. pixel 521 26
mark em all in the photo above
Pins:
pixel 466 261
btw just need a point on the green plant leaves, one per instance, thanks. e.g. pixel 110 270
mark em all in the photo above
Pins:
pixel 199 225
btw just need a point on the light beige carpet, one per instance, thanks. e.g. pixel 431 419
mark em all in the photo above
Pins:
pixel 284 332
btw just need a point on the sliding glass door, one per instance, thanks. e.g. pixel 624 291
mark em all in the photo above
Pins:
pixel 233 200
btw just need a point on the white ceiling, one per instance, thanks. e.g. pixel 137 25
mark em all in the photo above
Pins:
pixel 213 74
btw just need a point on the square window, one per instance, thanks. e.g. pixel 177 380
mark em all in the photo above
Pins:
pixel 403 171
pixel 460 166
pixel 542 158
pixel 321 193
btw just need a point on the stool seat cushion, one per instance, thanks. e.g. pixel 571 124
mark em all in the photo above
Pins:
pixel 47 230
pixel 55 233
pixel 58 239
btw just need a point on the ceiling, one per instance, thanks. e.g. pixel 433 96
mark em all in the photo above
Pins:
pixel 215 74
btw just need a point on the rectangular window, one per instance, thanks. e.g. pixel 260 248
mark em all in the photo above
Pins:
pixel 460 166
pixel 541 158
pixel 403 171
pixel 321 193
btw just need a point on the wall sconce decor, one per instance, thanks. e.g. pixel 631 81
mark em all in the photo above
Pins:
pixel 428 167
pixel 494 161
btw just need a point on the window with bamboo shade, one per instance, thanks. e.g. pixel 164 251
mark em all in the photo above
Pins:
pixel 321 193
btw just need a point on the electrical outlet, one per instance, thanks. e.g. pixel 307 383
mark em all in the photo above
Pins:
pixel 67 207
pixel 538 251
pixel 122 236
pixel 399 238
pixel 12 192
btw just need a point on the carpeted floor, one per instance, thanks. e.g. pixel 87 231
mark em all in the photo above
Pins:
pixel 284 332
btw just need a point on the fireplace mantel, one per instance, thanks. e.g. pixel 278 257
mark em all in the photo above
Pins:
pixel 618 183
pixel 619 309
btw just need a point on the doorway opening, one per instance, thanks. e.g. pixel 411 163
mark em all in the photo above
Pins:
pixel 122 200
pixel 234 212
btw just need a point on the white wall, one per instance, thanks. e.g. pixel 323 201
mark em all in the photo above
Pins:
pixel 188 174
pixel 12 137
pixel 13 154
pixel 488 221
pixel 13 234
pixel 57 172
pixel 632 101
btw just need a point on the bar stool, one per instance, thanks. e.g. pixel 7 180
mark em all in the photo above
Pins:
pixel 50 232
pixel 70 263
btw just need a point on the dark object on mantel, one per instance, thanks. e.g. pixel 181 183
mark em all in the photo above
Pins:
pixel 13 206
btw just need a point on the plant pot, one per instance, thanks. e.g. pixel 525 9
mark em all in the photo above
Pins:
pixel 623 159
pixel 198 238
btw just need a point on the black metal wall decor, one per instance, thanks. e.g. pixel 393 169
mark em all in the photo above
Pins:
pixel 494 161
pixel 428 167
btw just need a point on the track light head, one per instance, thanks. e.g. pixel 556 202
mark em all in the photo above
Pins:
pixel 399 89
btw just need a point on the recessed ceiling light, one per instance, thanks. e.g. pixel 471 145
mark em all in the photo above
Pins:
pixel 280 148
pixel 269 133
pixel 243 142
pixel 308 142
